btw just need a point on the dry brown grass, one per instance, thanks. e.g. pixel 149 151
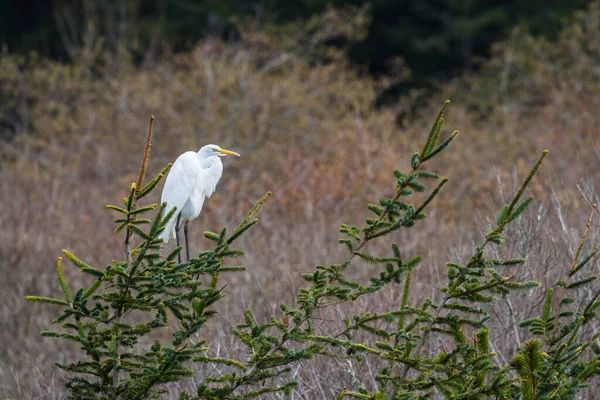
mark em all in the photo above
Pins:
pixel 307 132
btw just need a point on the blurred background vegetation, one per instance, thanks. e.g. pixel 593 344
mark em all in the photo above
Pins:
pixel 297 88
pixel 437 38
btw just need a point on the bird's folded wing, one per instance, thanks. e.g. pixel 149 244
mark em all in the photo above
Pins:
pixel 179 186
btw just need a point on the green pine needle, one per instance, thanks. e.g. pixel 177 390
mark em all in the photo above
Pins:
pixel 49 300
pixel 61 280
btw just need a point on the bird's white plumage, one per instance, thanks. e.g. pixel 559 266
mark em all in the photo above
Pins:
pixel 192 178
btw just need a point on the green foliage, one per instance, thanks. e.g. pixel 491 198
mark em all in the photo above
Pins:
pixel 133 299
pixel 556 365
pixel 557 362
pixel 401 338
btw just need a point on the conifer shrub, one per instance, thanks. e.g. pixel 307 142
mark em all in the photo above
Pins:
pixel 117 317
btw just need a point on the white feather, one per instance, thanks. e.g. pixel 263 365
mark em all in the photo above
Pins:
pixel 193 177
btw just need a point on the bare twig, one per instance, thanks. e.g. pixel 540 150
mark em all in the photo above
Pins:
pixel 145 159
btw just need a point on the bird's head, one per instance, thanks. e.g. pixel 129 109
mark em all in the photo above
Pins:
pixel 211 150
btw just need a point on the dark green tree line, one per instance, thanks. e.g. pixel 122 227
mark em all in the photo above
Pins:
pixel 436 38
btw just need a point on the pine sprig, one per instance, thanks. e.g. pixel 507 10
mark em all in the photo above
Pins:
pixel 441 346
pixel 157 289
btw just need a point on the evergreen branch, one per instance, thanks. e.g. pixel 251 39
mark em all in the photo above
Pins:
pixel 158 221
pixel 135 189
pixel 49 300
pixel 234 268
pixel 371 259
pixel 76 261
pixel 130 200
pixel 583 262
pixel 241 230
pixel 404 301
pixel 524 185
pixel 506 212
pixel 546 311
pixel 220 360
pixel 151 207
pixel 572 270
pixel 435 128
pixel 115 208
pixel 135 229
pixel 462 273
pixel 152 184
pixel 502 215
pixel 91 289
pixel 61 280
pixel 441 147
pixel 157 286
pixel 557 336
pixel 581 282
pixel 367 236
pixel 381 232
pixel 520 208
pixel 431 196
pixel 254 209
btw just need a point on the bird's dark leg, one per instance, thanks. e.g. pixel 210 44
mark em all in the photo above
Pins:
pixel 187 246
pixel 177 236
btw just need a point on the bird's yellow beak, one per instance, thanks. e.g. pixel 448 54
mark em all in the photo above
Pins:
pixel 227 152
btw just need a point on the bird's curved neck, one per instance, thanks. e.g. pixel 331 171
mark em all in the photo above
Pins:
pixel 209 162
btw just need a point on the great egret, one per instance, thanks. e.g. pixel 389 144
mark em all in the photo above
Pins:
pixel 193 177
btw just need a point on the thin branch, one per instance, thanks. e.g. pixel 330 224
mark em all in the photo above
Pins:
pixel 585 232
pixel 145 159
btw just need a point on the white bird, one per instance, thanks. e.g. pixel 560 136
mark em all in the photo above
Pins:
pixel 193 178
